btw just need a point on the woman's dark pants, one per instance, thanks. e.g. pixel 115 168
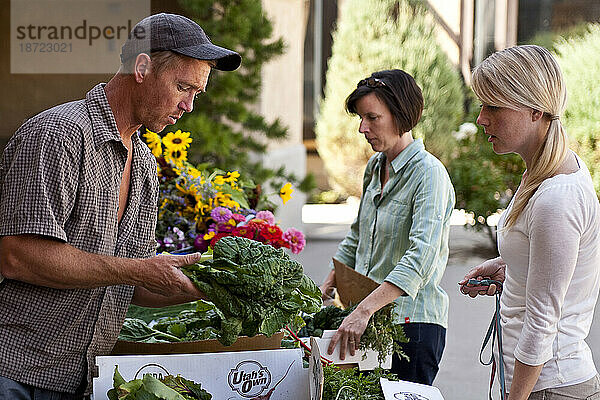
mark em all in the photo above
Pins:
pixel 424 349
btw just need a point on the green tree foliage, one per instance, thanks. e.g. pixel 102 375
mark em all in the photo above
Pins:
pixel 579 58
pixel 375 35
pixel 549 39
pixel 484 181
pixel 225 125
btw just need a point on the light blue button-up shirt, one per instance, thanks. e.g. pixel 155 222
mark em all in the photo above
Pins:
pixel 401 233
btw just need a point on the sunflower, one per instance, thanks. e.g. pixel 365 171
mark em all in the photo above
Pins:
pixel 219 180
pixel 232 177
pixel 195 173
pixel 177 157
pixel 154 143
pixel 286 192
pixel 178 141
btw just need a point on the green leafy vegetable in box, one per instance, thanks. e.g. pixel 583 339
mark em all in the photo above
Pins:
pixel 150 388
pixel 202 324
pixel 381 334
pixel 255 287
pixel 350 384
pixel 136 330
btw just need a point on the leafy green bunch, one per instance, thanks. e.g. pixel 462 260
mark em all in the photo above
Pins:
pixel 168 388
pixel 255 287
pixel 202 322
pixel 381 334
pixel 350 384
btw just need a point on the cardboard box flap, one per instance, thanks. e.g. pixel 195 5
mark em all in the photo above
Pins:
pixel 352 286
pixel 243 343
pixel 366 360
pixel 403 390
pixel 315 371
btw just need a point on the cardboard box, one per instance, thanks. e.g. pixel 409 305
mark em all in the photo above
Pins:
pixel 315 371
pixel 403 390
pixel 367 363
pixel 243 343
pixel 244 375
pixel 352 286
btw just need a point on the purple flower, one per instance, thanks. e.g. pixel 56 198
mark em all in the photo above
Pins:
pixel 295 239
pixel 224 228
pixel 266 216
pixel 200 244
pixel 221 214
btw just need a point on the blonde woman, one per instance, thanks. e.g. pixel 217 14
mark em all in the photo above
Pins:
pixel 548 237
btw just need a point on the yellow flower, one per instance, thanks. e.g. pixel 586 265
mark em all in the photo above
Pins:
pixel 219 180
pixel 232 176
pixel 178 141
pixel 154 143
pixel 195 173
pixel 191 190
pixel 209 235
pixel 286 192
pixel 176 157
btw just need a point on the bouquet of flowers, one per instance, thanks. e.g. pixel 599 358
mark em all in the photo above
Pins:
pixel 198 206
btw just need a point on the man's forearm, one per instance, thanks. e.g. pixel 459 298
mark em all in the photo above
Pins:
pixel 46 262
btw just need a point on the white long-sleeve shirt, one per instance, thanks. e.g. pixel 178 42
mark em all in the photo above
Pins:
pixel 552 280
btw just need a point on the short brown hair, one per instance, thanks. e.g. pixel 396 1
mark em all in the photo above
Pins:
pixel 160 61
pixel 399 92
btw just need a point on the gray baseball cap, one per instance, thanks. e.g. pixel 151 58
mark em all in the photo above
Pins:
pixel 161 32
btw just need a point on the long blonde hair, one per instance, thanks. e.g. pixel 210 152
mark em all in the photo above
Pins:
pixel 527 77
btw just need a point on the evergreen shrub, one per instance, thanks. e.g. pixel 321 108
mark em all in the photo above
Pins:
pixel 225 124
pixel 579 58
pixel 484 182
pixel 375 35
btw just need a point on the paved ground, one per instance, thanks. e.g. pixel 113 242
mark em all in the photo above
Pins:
pixel 461 376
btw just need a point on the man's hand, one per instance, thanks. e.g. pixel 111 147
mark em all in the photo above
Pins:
pixel 162 275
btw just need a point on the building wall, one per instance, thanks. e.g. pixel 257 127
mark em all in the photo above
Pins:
pixel 448 26
pixel 25 95
pixel 282 97
pixel 282 89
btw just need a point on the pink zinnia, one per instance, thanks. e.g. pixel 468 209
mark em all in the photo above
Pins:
pixel 295 239
pixel 238 218
pixel 266 216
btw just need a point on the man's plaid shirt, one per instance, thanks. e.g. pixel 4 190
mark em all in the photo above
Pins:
pixel 59 177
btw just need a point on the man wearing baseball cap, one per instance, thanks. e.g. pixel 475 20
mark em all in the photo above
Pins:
pixel 78 209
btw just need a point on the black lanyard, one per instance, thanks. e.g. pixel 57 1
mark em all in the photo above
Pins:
pixel 495 332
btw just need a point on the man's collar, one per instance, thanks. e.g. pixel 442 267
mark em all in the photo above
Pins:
pixel 103 120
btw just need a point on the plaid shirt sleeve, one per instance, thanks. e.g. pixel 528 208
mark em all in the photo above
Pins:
pixel 39 187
